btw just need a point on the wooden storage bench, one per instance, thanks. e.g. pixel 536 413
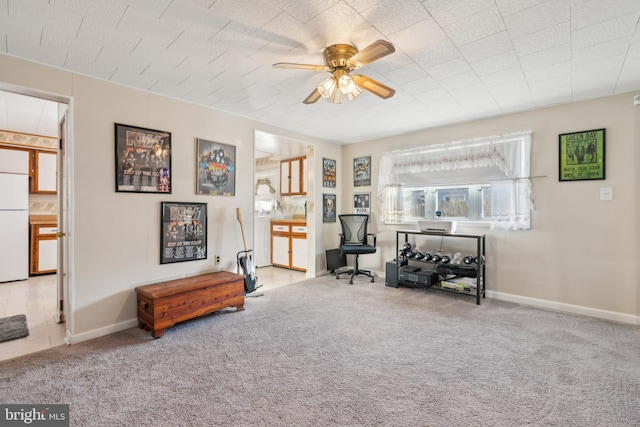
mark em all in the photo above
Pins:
pixel 162 305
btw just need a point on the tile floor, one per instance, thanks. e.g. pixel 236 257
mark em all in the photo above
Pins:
pixel 36 298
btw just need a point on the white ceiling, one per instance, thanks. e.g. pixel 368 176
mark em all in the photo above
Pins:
pixel 455 60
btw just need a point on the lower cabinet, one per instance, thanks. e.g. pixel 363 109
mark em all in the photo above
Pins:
pixel 289 244
pixel 43 250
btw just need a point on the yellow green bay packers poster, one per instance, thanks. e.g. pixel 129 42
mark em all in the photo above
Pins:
pixel 582 155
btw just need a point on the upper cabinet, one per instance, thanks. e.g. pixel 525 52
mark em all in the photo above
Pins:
pixel 292 176
pixel 44 179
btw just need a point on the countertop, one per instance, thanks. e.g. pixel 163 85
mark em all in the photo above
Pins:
pixel 43 219
pixel 290 220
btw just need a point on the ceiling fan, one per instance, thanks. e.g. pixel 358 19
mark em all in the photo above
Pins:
pixel 340 60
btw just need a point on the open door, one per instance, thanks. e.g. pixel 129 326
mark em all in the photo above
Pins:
pixel 62 275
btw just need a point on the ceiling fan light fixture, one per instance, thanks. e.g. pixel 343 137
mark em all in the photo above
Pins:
pixel 327 87
pixel 348 87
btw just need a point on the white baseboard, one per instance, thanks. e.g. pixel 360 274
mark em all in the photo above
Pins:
pixel 100 332
pixel 567 308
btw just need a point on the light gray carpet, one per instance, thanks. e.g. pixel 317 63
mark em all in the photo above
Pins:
pixel 323 353
pixel 13 327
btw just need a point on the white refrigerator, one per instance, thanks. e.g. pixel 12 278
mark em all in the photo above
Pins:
pixel 14 221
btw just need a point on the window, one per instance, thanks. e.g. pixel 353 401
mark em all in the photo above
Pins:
pixel 452 203
pixel 433 182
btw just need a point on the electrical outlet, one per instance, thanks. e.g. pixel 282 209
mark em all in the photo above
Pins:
pixel 606 193
pixel 217 259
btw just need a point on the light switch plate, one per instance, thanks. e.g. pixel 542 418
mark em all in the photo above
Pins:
pixel 606 193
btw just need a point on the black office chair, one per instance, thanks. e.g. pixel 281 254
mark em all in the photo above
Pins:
pixel 354 241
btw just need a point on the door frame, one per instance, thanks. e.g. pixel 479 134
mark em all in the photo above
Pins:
pixel 64 272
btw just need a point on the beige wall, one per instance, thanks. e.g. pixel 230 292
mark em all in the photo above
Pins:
pixel 114 237
pixel 581 251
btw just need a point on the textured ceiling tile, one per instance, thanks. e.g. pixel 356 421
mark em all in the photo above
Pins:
pixel 557 83
pixel 407 74
pixel 552 97
pixel 610 65
pixel 544 39
pixel 592 86
pixel 436 53
pixel 487 47
pixel 446 12
pixel 622 27
pixel 629 78
pixel 424 84
pixel 510 7
pixel 449 69
pixel 304 11
pixel 554 71
pixel 496 63
pixel 414 37
pixel 219 53
pixel 470 92
pixel 475 27
pixel 596 11
pixel 546 58
pixel 582 57
pixel 337 24
pixel 460 81
pixel 235 10
pixel 536 18
pixel 502 77
pixel 285 31
pixel 408 13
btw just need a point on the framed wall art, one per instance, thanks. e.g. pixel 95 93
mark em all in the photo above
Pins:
pixel 362 204
pixel 143 160
pixel 216 164
pixel 362 171
pixel 328 173
pixel 582 155
pixel 328 208
pixel 184 232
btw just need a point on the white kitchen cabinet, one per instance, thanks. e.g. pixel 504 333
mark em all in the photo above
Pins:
pixel 292 176
pixel 45 177
pixel 44 244
pixel 289 244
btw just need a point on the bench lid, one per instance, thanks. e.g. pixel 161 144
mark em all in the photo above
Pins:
pixel 187 284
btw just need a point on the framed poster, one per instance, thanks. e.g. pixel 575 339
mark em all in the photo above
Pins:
pixel 328 173
pixel 362 204
pixel 184 232
pixel 143 160
pixel 362 171
pixel 216 164
pixel 328 208
pixel 582 155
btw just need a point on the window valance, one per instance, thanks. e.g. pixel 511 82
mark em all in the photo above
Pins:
pixel 502 160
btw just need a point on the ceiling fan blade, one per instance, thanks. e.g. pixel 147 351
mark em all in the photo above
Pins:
pixel 301 66
pixel 313 97
pixel 373 52
pixel 373 86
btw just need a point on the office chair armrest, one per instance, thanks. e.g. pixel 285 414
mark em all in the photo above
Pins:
pixel 375 237
pixel 341 239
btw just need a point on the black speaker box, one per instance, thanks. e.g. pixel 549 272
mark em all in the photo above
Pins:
pixel 390 274
pixel 335 260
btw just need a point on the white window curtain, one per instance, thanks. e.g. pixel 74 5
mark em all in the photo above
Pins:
pixel 502 160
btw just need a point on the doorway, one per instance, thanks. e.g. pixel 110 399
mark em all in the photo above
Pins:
pixel 31 121
pixel 269 201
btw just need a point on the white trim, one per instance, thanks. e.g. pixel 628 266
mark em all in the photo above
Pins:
pixel 100 332
pixel 567 308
